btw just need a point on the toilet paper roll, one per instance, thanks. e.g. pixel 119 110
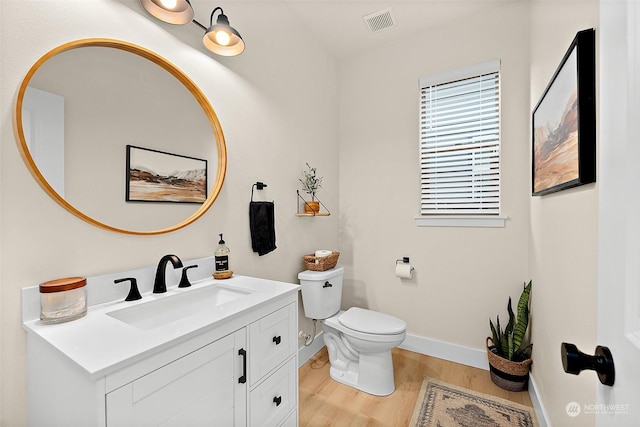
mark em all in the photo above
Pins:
pixel 323 253
pixel 404 271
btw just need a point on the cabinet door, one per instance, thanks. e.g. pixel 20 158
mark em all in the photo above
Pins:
pixel 291 421
pixel 272 340
pixel 199 389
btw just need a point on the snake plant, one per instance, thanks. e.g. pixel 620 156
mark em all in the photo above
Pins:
pixel 509 343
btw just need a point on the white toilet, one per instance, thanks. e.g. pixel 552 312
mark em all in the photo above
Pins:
pixel 359 341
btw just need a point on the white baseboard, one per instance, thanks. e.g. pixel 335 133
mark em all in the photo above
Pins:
pixel 541 413
pixel 430 347
pixel 305 353
pixel 444 350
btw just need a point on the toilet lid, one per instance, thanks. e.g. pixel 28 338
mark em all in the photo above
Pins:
pixel 371 322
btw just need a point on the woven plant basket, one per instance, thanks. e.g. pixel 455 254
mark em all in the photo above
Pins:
pixel 321 263
pixel 505 373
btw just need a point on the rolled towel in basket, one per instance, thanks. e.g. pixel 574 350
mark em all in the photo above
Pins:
pixel 322 253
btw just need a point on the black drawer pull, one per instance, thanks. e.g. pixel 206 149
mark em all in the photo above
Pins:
pixel 277 339
pixel 277 400
pixel 243 379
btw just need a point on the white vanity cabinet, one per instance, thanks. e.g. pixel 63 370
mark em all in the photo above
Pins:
pixel 240 371
pixel 209 386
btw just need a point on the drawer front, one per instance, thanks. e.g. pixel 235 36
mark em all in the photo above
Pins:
pixel 272 340
pixel 276 397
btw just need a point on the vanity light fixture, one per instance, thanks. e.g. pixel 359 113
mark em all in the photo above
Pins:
pixel 177 12
pixel 220 38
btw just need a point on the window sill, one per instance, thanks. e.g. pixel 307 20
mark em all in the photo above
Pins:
pixel 461 221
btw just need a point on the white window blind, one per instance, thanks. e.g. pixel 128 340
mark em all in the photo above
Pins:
pixel 460 142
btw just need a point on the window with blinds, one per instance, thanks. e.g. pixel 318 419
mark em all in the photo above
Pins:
pixel 460 142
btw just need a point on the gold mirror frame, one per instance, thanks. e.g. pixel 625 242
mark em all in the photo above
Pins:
pixel 166 65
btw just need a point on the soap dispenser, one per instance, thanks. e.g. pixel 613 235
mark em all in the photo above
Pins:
pixel 222 261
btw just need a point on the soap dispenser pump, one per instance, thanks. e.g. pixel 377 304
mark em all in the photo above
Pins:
pixel 222 261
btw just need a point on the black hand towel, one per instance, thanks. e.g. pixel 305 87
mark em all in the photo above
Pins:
pixel 262 225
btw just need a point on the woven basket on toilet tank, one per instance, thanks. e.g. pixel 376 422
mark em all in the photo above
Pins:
pixel 324 263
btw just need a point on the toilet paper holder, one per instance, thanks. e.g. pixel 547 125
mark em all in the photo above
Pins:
pixel 404 260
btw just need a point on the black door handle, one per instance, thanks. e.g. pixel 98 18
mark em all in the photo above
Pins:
pixel 574 361
pixel 277 339
pixel 243 379
pixel 277 400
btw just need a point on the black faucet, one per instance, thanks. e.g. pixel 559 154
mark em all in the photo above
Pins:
pixel 160 284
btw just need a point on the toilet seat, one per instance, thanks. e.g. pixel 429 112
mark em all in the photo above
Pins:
pixel 335 322
pixel 372 322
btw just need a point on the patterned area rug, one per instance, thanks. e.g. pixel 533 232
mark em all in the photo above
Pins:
pixel 444 405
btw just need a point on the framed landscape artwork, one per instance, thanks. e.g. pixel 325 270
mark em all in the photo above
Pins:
pixel 564 122
pixel 156 176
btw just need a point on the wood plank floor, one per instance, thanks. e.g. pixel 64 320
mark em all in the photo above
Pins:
pixel 325 402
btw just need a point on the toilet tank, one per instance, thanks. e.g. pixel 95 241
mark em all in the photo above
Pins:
pixel 321 292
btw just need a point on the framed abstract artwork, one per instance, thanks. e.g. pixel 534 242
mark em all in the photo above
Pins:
pixel 564 122
pixel 156 176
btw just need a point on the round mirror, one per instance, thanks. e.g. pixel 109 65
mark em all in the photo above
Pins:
pixel 120 137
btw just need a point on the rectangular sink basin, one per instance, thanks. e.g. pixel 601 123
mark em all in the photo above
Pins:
pixel 171 308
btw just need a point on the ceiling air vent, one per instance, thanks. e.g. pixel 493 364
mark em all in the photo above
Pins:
pixel 379 21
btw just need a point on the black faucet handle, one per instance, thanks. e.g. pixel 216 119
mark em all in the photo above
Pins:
pixel 184 280
pixel 134 293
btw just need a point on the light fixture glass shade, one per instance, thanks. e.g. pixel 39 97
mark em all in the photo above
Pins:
pixel 177 12
pixel 222 39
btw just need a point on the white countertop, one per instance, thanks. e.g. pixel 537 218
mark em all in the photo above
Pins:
pixel 101 344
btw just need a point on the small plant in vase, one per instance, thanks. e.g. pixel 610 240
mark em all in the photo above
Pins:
pixel 311 183
pixel 510 356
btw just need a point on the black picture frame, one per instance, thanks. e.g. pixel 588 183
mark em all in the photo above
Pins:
pixel 564 122
pixel 158 176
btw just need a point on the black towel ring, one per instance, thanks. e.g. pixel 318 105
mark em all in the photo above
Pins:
pixel 259 185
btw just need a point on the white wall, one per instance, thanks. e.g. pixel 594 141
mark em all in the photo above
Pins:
pixel 563 236
pixel 270 132
pixel 463 276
